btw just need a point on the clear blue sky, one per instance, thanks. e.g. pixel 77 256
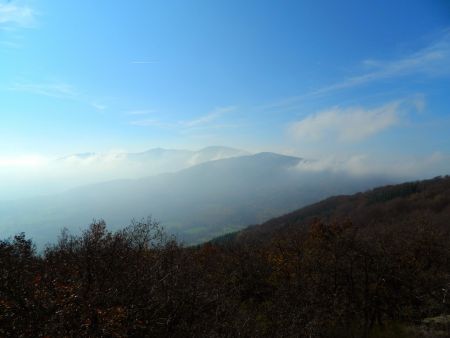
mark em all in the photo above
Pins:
pixel 313 78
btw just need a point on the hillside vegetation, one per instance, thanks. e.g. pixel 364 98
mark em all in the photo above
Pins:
pixel 402 203
pixel 324 278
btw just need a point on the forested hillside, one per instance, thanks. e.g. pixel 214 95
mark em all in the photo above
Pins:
pixel 384 276
pixel 427 200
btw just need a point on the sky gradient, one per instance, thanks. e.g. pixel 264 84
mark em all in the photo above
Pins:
pixel 321 79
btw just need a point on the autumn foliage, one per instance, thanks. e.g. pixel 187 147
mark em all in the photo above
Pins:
pixel 326 280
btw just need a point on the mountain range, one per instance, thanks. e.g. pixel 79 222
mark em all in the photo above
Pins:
pixel 55 175
pixel 196 203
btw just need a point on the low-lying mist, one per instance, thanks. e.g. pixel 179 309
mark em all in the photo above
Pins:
pixel 196 195
pixel 30 176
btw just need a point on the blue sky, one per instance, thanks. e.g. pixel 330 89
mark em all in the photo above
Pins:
pixel 311 78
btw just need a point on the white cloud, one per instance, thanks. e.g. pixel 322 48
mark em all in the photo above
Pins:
pixel 13 14
pixel 56 89
pixel 401 167
pixel 346 124
pixel 357 165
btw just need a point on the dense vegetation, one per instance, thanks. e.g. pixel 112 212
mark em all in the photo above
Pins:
pixel 407 202
pixel 328 279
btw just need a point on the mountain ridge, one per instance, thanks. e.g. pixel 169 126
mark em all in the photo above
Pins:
pixel 196 203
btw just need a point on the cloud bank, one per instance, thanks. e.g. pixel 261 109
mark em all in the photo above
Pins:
pixel 353 123
pixel 404 168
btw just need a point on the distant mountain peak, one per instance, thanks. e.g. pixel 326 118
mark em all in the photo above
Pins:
pixel 222 148
pixel 268 154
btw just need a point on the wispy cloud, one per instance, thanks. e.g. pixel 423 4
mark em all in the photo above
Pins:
pixel 140 112
pixel 208 118
pixel 150 123
pixel 99 106
pixel 11 42
pixel 53 89
pixel 14 14
pixel 432 60
pixel 353 123
pixel 205 121
pixel 57 90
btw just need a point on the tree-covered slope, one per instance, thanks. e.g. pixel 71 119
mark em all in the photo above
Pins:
pixel 411 201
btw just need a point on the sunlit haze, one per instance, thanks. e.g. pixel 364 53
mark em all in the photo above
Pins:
pixel 96 91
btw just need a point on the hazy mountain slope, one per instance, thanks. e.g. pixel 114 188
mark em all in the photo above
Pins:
pixel 197 203
pixel 160 160
pixel 54 176
pixel 110 166
pixel 428 200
